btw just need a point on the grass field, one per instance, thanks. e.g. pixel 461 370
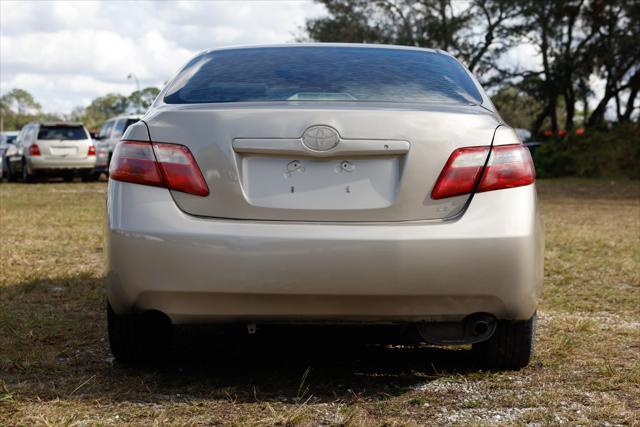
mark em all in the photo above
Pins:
pixel 56 369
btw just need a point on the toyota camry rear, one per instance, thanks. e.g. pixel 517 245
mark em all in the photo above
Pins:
pixel 342 185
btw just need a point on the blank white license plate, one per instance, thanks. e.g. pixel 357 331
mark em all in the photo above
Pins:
pixel 333 184
pixel 64 151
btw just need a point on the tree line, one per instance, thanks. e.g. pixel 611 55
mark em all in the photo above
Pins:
pixel 577 43
pixel 18 107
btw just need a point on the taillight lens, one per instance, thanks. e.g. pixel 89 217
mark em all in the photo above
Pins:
pixel 34 150
pixel 461 172
pixel 92 151
pixel 179 168
pixel 163 165
pixel 508 166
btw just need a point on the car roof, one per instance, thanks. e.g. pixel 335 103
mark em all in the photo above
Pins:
pixel 343 45
pixel 126 116
pixel 59 123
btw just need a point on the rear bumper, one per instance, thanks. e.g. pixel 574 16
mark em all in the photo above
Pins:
pixel 47 163
pixel 195 269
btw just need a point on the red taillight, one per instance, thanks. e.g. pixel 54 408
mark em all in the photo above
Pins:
pixel 92 150
pixel 461 172
pixel 34 150
pixel 179 168
pixel 508 166
pixel 162 165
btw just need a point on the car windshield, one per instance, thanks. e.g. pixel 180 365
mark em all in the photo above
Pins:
pixel 323 74
pixel 62 132
pixel 129 123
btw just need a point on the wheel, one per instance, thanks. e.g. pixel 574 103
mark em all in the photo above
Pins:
pixel 27 176
pixel 509 348
pixel 136 338
pixel 11 176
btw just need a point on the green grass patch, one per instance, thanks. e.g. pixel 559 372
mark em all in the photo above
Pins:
pixel 56 369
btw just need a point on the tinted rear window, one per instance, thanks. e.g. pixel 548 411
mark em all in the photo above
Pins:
pixel 322 73
pixel 62 132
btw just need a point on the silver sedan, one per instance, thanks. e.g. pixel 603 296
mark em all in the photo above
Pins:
pixel 325 184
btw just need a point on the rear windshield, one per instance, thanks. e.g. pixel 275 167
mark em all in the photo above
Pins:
pixel 62 132
pixel 323 74
pixel 129 123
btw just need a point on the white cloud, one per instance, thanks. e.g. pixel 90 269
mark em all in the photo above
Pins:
pixel 66 53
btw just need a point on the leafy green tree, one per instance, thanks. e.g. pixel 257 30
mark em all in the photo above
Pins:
pixel 142 100
pixel 105 107
pixel 17 108
pixel 616 56
pixel 476 33
pixel 516 107
pixel 101 109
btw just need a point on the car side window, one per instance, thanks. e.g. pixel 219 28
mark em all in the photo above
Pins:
pixel 23 135
pixel 105 132
pixel 28 136
pixel 20 136
pixel 33 134
pixel 119 128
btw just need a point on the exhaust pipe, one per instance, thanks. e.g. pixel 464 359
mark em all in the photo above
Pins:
pixel 480 326
pixel 472 329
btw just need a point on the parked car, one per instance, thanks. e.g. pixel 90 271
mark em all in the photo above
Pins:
pixel 7 140
pixel 534 145
pixel 110 133
pixel 523 134
pixel 52 149
pixel 324 184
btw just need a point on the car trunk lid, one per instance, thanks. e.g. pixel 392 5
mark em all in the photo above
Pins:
pixel 321 162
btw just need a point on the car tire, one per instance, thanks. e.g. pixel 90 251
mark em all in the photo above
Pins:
pixel 136 338
pixel 26 175
pixel 509 348
pixel 11 177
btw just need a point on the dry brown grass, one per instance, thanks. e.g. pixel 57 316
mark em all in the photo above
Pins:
pixel 56 369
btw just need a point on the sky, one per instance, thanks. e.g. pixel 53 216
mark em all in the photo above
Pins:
pixel 67 53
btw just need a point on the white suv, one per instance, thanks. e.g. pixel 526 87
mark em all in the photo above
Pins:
pixel 109 135
pixel 52 149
